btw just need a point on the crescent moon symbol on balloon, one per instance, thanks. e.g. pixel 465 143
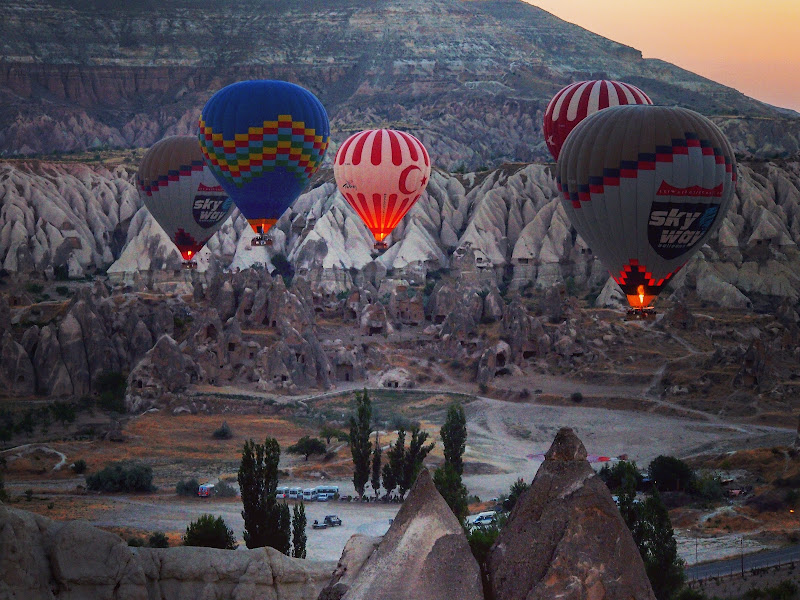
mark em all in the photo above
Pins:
pixel 404 178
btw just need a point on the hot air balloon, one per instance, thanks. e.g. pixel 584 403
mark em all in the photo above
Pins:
pixel 263 141
pixel 578 100
pixel 646 186
pixel 182 194
pixel 382 173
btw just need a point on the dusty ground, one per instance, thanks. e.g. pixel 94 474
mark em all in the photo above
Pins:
pixel 736 586
pixel 502 438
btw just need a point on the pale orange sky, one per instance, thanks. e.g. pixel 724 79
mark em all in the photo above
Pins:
pixel 750 45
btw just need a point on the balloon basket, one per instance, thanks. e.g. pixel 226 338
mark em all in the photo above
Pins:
pixel 381 246
pixel 648 312
pixel 260 240
pixel 190 265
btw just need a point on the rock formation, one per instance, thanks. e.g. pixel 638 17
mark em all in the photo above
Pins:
pixel 356 552
pixel 423 555
pixel 565 537
pixel 41 559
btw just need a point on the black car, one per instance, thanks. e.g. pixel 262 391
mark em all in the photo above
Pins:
pixel 332 521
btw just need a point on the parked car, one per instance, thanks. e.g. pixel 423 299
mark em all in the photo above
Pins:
pixel 206 490
pixel 332 521
pixel 317 525
pixel 323 497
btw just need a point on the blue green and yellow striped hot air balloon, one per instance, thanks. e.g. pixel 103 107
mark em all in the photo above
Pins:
pixel 263 140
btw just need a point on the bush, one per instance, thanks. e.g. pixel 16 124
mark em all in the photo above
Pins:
pixel 158 540
pixel 187 488
pixel 224 490
pixel 576 397
pixel 670 474
pixel 210 532
pixel 62 290
pixel 481 540
pixel 112 385
pixel 79 466
pixel 35 288
pixel 28 495
pixel 518 488
pixel 122 477
pixel 135 542
pixel 224 432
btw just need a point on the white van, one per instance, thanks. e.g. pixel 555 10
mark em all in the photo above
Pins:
pixel 484 519
pixel 295 493
pixel 282 493
pixel 309 494
pixel 331 490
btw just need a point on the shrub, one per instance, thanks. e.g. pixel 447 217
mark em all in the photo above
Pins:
pixel 158 540
pixel 62 290
pixel 28 495
pixel 224 432
pixel 210 532
pixel 79 466
pixel 135 542
pixel 35 288
pixel 225 490
pixel 483 388
pixel 576 397
pixel 670 474
pixel 187 488
pixel 122 477
pixel 112 385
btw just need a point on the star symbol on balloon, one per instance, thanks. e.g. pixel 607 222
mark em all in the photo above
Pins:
pixel 424 181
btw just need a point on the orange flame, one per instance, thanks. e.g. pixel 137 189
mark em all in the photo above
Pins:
pixel 640 291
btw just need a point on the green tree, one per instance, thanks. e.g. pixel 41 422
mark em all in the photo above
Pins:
pixel 518 488
pixel 670 474
pixel 329 433
pixel 299 531
pixel 452 489
pixel 283 535
pixel 454 436
pixel 159 540
pixel 652 531
pixel 307 446
pixel 376 466
pixel 412 462
pixel 395 457
pixel 360 446
pixel 210 532
pixel 620 476
pixel 264 521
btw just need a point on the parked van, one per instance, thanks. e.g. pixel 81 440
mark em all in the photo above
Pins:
pixel 205 490
pixel 331 490
pixel 282 493
pixel 295 493
pixel 484 519
pixel 309 494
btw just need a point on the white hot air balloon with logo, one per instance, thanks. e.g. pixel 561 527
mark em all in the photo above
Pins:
pixel 382 173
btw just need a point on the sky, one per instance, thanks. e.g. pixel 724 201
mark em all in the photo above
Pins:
pixel 750 45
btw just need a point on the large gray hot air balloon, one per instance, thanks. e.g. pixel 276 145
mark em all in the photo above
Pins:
pixel 182 194
pixel 645 186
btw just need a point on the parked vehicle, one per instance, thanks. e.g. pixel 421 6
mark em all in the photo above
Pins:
pixel 205 490
pixel 309 494
pixel 331 490
pixel 484 519
pixel 282 493
pixel 295 493
pixel 332 521
pixel 317 525
pixel 324 497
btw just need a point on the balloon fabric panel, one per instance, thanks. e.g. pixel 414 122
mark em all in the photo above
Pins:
pixel 382 173
pixel 646 187
pixel 181 193
pixel 263 141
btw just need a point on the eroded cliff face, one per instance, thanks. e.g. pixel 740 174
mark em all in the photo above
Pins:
pixel 470 78
pixel 485 226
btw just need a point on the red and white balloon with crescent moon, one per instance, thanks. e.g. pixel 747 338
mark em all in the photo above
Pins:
pixel 382 173
pixel 574 103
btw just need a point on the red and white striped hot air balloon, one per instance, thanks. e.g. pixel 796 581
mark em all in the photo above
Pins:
pixel 578 100
pixel 382 173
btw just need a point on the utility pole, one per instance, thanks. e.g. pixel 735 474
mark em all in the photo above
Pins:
pixel 742 554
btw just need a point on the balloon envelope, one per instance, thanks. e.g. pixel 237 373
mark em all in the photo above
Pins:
pixel 181 193
pixel 382 173
pixel 263 140
pixel 646 186
pixel 578 100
